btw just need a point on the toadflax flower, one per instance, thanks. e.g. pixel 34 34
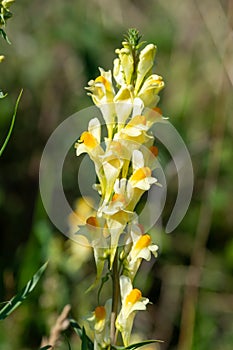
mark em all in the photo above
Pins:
pixel 102 93
pixel 132 301
pixel 99 322
pixel 141 178
pixel 142 248
pixel 116 213
pixel 133 135
pixel 89 141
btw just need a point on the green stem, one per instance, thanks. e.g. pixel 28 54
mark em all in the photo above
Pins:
pixel 115 298
pixel 12 124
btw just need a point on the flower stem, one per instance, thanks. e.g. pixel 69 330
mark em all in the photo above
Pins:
pixel 115 298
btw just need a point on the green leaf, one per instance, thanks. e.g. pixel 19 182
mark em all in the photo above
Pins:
pixel 136 345
pixel 76 327
pixel 87 344
pixel 46 347
pixel 12 124
pixel 22 295
pixel 86 341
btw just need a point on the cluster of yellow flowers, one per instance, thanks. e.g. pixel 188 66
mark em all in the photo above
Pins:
pixel 123 160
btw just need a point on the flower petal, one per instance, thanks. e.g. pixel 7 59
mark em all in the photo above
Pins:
pixel 125 286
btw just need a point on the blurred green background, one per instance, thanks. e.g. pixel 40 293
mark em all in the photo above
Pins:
pixel 56 48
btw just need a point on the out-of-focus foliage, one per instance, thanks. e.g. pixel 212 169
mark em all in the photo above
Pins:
pixel 56 47
pixel 17 300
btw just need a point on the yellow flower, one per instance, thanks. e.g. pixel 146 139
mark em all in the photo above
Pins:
pixel 123 104
pixel 141 177
pixel 96 232
pixel 132 301
pixel 100 316
pixel 101 89
pixel 116 224
pixel 142 248
pixel 112 162
pixel 140 180
pixel 134 134
pixel 150 89
pixel 119 199
pixel 102 93
pixel 89 141
pixel 83 208
pixel 93 233
pixel 116 214
pixel 99 322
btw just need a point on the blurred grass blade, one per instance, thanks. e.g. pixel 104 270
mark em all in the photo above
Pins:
pixel 12 124
pixel 46 347
pixel 22 295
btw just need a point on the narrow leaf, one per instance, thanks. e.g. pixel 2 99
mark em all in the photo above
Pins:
pixel 87 344
pixel 12 124
pixel 84 345
pixel 136 345
pixel 76 328
pixel 46 347
pixel 22 295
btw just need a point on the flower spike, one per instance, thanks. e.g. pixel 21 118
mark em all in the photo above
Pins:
pixel 124 161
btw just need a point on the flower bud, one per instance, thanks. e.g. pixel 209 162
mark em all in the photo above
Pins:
pixel 146 61
pixel 117 72
pixel 127 64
